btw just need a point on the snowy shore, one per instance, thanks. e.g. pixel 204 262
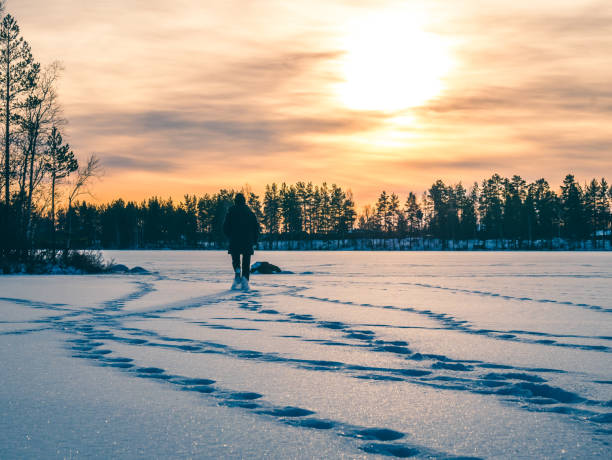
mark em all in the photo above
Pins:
pixel 354 355
pixel 428 244
pixel 405 244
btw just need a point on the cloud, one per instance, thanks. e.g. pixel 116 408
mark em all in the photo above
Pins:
pixel 125 163
pixel 230 136
pixel 217 92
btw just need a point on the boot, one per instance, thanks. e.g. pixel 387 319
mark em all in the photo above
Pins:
pixel 237 280
pixel 245 284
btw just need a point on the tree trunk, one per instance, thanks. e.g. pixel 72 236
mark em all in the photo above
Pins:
pixel 69 216
pixel 53 214
pixel 32 151
pixel 7 137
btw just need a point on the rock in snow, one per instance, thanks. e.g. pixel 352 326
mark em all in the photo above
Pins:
pixel 264 268
pixel 120 268
pixel 139 271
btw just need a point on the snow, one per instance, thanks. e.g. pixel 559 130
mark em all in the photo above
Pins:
pixel 352 355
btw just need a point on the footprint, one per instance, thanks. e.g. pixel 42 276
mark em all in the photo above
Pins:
pixel 189 347
pixel 392 450
pixel 358 336
pixel 121 365
pixel 378 434
pixel 332 325
pixel 102 352
pixel 413 372
pixel 316 424
pixel 118 360
pixel 245 395
pixel 451 366
pixel 513 376
pixel 495 366
pixel 289 411
pixel 131 341
pixel 195 382
pixel 394 349
pixel 380 377
pixel 602 418
pixel 150 370
pixel 242 404
pixel 528 389
pixel 201 389
pixel 301 317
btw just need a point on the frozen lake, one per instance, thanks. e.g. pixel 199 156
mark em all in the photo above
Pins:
pixel 352 355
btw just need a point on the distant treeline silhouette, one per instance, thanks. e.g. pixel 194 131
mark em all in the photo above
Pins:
pixel 505 210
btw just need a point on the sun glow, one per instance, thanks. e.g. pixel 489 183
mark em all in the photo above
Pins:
pixel 391 63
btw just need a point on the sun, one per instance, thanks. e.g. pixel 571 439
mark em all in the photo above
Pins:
pixel 391 64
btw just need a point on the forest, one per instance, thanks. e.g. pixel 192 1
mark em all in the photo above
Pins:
pixel 507 210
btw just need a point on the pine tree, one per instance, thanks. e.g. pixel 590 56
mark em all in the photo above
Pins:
pixel 223 200
pixel 591 210
pixel 291 212
pixel 381 210
pixel 205 215
pixel 189 224
pixel 490 207
pixel 441 210
pixel 348 213
pixel 272 209
pixel 572 209
pixel 543 214
pixel 60 163
pixel 306 194
pixel 603 206
pixel 324 199
pixel 414 215
pixel 337 198
pixel 609 213
pixel 466 203
pixel 255 205
pixel 513 207
pixel 392 214
pixel 18 73
pixel 454 196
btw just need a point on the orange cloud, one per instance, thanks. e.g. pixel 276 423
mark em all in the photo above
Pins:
pixel 192 96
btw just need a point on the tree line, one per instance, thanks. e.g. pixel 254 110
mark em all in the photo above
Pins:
pixel 507 210
pixel 286 212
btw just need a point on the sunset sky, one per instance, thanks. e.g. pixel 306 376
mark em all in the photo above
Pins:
pixel 189 96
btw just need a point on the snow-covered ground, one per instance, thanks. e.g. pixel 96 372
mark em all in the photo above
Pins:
pixel 353 355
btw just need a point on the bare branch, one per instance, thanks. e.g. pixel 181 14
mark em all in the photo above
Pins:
pixel 93 169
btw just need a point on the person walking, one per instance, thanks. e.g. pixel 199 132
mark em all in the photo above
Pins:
pixel 242 230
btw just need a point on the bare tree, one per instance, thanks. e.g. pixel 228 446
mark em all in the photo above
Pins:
pixel 40 114
pixel 80 186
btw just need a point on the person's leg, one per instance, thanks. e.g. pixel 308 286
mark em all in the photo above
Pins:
pixel 236 265
pixel 246 265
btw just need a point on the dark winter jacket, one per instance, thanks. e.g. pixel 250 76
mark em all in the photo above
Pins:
pixel 242 229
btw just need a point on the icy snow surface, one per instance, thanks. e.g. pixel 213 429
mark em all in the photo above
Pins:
pixel 353 355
